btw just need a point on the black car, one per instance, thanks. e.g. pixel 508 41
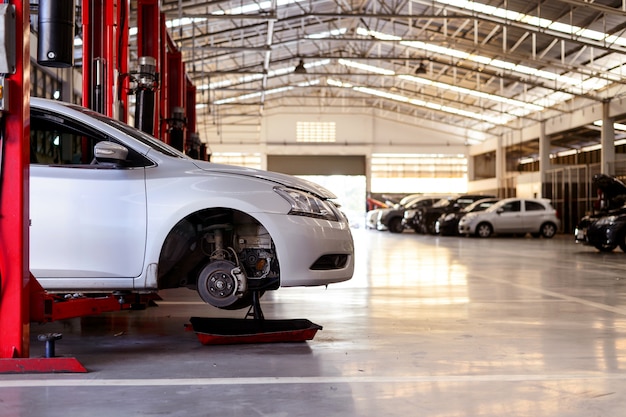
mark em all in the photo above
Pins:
pixel 425 218
pixel 391 218
pixel 605 228
pixel 448 223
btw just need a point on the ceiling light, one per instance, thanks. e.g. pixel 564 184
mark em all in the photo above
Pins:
pixel 300 68
pixel 421 69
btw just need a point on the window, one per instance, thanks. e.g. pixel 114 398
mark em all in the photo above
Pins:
pixel 513 206
pixel 534 206
pixel 58 141
pixel 419 173
pixel 315 132
pixel 248 160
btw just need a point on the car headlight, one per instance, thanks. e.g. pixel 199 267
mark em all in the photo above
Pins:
pixel 467 220
pixel 449 217
pixel 305 204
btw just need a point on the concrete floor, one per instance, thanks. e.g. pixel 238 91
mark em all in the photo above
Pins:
pixel 429 326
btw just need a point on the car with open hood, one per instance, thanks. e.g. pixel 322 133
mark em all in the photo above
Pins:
pixel 115 209
pixel 605 227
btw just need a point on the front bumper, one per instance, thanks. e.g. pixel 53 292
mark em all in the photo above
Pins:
pixel 303 244
pixel 600 235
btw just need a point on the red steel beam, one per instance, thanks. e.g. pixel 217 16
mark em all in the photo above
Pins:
pixel 164 77
pixel 105 55
pixel 121 53
pixel 176 86
pixel 14 269
pixel 149 24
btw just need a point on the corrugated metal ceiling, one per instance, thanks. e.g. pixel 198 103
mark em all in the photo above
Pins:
pixel 487 67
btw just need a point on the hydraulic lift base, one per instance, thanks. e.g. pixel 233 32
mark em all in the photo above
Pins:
pixel 41 365
pixel 226 331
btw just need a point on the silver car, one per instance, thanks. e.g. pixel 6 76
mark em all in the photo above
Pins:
pixel 112 208
pixel 513 215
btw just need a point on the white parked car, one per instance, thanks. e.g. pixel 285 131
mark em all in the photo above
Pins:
pixel 113 208
pixel 513 215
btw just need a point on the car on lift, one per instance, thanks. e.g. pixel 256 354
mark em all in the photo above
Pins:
pixel 424 219
pixel 115 209
pixel 605 227
pixel 513 216
pixel 448 223
pixel 391 218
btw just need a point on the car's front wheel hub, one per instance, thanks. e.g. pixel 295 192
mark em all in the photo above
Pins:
pixel 218 284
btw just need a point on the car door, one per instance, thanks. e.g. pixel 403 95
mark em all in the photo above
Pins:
pixel 508 218
pixel 88 222
pixel 534 216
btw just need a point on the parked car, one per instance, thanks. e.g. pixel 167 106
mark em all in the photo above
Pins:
pixel 387 217
pixel 513 215
pixel 448 224
pixel 605 227
pixel 114 209
pixel 425 218
pixel 391 218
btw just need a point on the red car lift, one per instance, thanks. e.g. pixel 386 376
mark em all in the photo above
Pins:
pixel 22 299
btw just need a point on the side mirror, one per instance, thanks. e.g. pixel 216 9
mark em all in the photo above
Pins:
pixel 110 152
pixel 500 211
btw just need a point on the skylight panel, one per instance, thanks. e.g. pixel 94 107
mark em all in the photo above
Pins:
pixel 327 34
pixel 365 67
pixel 377 35
pixel 535 21
pixel 255 7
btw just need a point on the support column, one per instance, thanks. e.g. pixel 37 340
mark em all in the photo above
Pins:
pixel 607 153
pixel 501 167
pixel 544 156
pixel 471 166
pixel 15 132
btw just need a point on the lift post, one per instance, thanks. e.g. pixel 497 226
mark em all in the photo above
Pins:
pixel 15 278
pixel 14 119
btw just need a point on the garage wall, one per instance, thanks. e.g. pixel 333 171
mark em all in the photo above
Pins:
pixel 317 165
pixel 378 133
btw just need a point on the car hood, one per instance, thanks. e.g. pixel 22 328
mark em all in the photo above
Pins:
pixel 614 190
pixel 610 186
pixel 275 177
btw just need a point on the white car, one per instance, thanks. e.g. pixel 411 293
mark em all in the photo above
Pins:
pixel 513 215
pixel 114 209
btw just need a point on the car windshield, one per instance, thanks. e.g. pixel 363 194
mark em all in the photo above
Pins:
pixel 405 201
pixel 137 134
pixel 495 207
pixel 479 205
pixel 444 202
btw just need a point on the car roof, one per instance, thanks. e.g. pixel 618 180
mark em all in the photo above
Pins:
pixel 509 199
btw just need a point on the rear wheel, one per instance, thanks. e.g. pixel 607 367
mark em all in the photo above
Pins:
pixel 484 230
pixel 548 230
